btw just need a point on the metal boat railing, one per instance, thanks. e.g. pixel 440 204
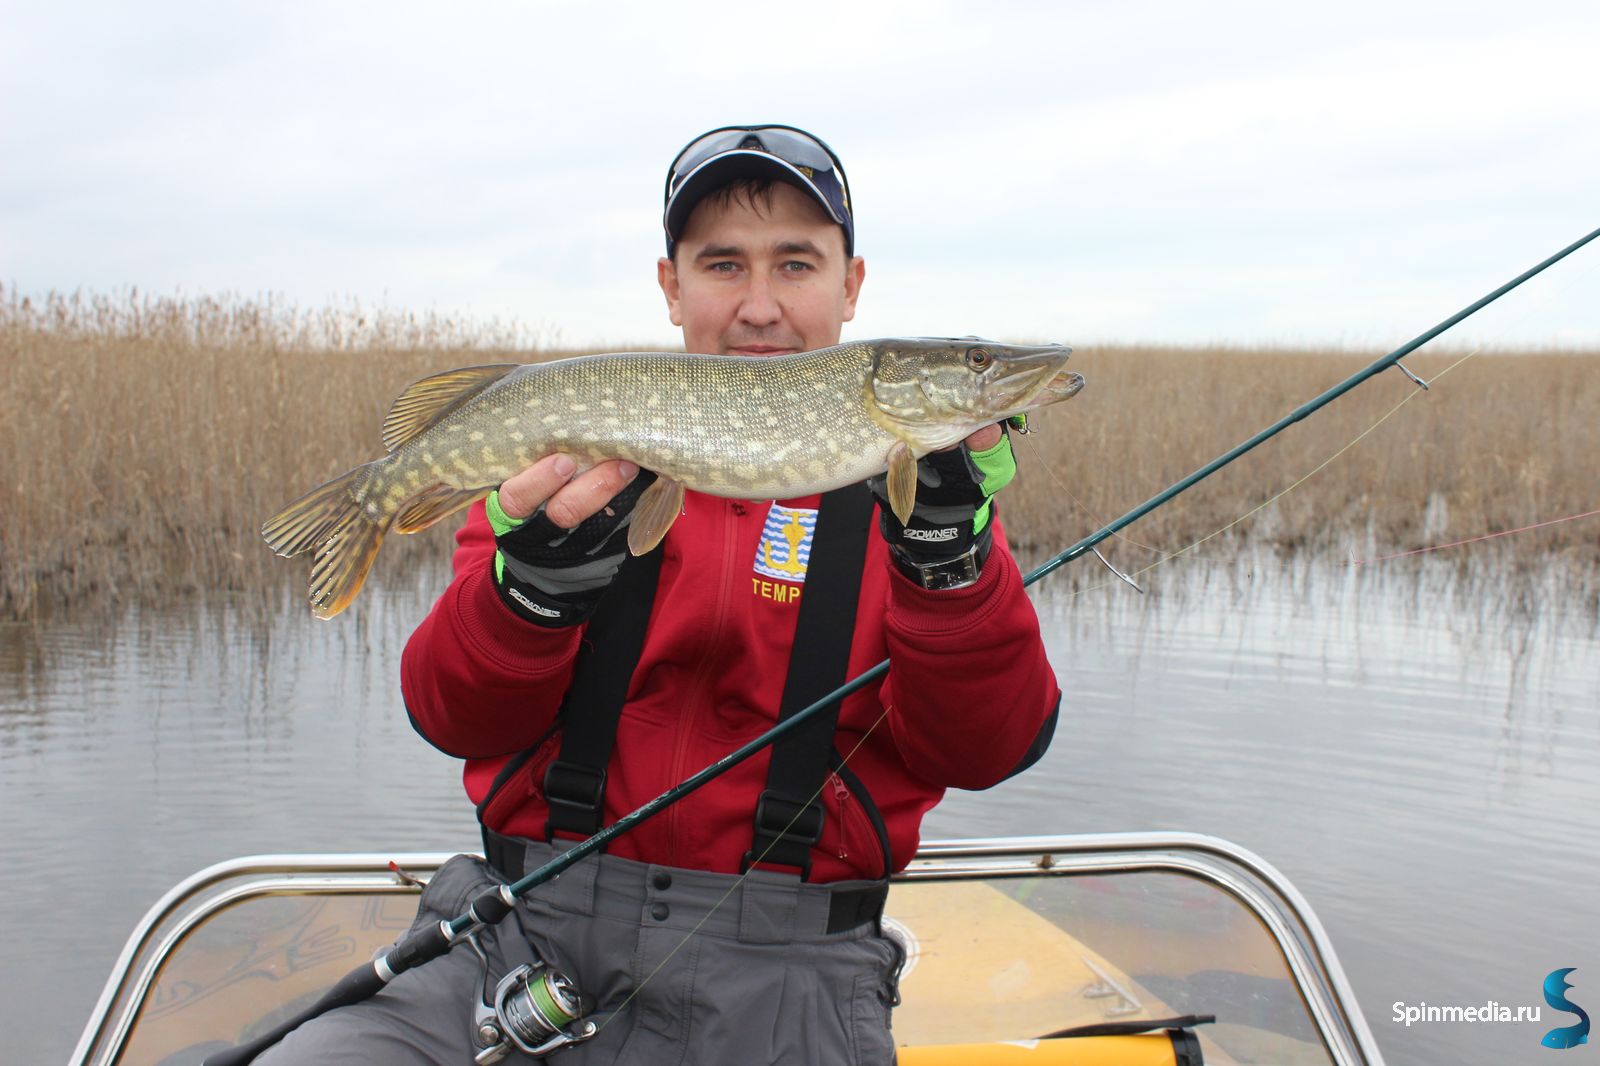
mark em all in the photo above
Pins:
pixel 1224 869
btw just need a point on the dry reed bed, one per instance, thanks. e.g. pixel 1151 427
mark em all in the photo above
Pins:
pixel 145 441
pixel 1501 441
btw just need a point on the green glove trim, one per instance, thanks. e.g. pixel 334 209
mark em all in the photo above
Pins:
pixel 997 465
pixel 499 521
pixel 502 524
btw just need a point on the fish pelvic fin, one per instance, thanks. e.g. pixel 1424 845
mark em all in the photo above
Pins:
pixel 654 514
pixel 346 539
pixel 425 402
pixel 902 481
pixel 433 505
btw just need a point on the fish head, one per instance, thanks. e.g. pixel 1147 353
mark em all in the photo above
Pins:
pixel 935 391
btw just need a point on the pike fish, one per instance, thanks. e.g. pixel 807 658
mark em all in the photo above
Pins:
pixel 734 426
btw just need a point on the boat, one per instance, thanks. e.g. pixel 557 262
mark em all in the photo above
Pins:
pixel 1129 948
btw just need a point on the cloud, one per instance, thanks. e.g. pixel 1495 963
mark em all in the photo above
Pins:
pixel 1153 170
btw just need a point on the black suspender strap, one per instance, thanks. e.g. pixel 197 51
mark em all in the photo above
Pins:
pixel 788 820
pixel 575 783
pixel 788 816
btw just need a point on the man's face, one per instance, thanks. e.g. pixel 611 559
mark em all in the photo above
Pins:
pixel 760 279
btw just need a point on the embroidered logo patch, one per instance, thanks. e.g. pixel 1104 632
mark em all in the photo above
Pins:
pixel 785 547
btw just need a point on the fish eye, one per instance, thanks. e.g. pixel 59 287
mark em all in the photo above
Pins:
pixel 979 359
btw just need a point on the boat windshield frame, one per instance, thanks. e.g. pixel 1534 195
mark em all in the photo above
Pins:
pixel 1255 884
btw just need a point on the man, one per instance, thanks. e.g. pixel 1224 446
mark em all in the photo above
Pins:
pixel 741 924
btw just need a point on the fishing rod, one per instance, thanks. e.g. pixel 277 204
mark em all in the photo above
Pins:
pixel 1377 367
pixel 493 905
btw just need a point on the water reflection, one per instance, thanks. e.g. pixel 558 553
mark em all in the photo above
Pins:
pixel 1417 755
pixel 1414 747
pixel 138 750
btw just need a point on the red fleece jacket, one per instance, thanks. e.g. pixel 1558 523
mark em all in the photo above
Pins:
pixel 967 692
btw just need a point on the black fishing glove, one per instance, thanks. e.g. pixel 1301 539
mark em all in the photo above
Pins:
pixel 554 577
pixel 945 543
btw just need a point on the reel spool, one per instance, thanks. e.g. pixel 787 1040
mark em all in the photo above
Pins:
pixel 536 1009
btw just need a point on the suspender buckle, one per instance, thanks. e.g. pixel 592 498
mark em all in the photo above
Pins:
pixel 786 830
pixel 577 791
pixel 794 819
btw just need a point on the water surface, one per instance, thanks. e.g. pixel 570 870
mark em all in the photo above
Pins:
pixel 1418 757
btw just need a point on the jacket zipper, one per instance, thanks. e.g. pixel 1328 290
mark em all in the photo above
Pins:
pixel 841 794
pixel 692 698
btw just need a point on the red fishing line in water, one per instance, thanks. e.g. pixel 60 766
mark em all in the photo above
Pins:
pixel 1474 540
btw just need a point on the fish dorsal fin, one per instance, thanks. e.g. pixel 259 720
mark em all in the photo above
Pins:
pixel 424 402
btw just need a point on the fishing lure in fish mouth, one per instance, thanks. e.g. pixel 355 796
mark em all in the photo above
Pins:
pixel 752 429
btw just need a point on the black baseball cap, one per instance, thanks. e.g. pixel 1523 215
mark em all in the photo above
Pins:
pixel 779 153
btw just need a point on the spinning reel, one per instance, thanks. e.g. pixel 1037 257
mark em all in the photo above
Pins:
pixel 535 1009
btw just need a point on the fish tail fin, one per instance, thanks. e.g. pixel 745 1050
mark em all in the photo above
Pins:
pixel 343 560
pixel 305 523
pixel 331 520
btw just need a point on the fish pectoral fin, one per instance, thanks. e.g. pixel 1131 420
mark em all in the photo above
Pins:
pixel 902 481
pixel 433 505
pixel 425 402
pixel 654 514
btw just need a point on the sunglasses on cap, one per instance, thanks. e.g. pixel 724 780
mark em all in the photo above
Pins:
pixel 733 152
pixel 792 145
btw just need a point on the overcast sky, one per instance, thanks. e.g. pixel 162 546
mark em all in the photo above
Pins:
pixel 1170 171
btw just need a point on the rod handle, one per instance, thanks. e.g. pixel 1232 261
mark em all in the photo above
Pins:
pixel 355 986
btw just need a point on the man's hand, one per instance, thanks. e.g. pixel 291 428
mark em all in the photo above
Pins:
pixel 567 500
pixel 984 439
pixel 557 536
pixel 947 539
